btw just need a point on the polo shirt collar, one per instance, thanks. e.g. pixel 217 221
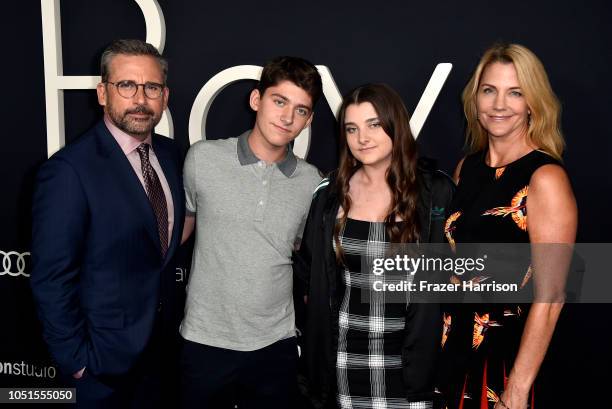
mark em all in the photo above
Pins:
pixel 246 156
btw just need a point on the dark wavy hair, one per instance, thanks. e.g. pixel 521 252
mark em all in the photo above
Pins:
pixel 402 173
pixel 297 70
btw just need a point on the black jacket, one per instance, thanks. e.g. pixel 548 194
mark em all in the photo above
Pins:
pixel 317 274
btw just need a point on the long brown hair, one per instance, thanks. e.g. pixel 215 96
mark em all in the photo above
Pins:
pixel 544 129
pixel 402 173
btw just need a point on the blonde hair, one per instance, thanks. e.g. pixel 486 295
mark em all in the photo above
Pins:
pixel 544 129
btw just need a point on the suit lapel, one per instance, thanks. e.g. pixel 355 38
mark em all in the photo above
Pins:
pixel 128 181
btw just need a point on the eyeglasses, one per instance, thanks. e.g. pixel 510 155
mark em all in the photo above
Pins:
pixel 127 89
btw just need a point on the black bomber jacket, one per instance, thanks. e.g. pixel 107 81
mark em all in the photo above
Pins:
pixel 316 274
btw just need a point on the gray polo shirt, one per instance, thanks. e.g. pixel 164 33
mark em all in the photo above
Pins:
pixel 248 216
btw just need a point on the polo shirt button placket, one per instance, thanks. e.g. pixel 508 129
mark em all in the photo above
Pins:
pixel 266 184
pixel 259 211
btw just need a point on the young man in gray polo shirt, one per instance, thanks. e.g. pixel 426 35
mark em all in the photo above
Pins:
pixel 248 198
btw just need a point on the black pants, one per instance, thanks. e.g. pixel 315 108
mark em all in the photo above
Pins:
pixel 220 378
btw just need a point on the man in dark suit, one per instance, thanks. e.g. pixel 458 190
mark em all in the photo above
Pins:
pixel 108 214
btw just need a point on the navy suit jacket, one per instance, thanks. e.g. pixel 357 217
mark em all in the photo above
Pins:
pixel 98 276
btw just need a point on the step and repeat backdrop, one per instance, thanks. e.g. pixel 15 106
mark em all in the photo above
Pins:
pixel 426 50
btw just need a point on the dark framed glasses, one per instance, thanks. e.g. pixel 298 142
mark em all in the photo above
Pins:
pixel 127 89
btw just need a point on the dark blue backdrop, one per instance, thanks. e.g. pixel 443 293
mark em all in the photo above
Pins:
pixel 396 42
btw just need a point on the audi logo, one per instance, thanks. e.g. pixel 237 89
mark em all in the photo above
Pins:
pixel 14 263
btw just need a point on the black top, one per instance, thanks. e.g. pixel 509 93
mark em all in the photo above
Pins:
pixel 490 205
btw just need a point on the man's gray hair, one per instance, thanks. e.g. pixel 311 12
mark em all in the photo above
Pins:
pixel 130 47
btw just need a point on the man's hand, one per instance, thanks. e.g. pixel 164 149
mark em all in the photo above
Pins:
pixel 79 374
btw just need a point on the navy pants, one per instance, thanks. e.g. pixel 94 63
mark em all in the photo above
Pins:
pixel 220 378
pixel 151 384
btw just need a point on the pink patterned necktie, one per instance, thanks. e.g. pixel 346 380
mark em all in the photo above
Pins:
pixel 156 196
